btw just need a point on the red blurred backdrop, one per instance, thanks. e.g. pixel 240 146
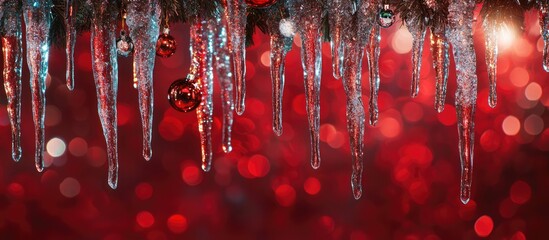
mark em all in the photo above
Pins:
pixel 266 188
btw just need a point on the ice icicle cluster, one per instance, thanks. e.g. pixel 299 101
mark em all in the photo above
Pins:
pixel 202 40
pixel 280 45
pixel 70 10
pixel 307 15
pixel 13 63
pixel 143 18
pixel 460 35
pixel 236 11
pixel 38 18
pixel 225 78
pixel 373 64
pixel 105 73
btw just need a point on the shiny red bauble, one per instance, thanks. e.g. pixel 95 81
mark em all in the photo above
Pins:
pixel 165 46
pixel 184 95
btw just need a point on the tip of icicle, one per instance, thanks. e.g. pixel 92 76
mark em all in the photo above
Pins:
pixel 16 155
pixel 277 132
pixel 439 108
pixel 70 86
pixel 39 168
pixel 239 111
pixel 113 184
pixel 315 165
pixel 206 167
pixel 492 103
pixel 147 155
pixel 227 148
pixel 465 200
pixel 357 194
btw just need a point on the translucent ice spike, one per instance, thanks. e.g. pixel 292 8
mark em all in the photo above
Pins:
pixel 37 21
pixel 225 76
pixel 143 18
pixel 12 58
pixel 460 35
pixel 70 41
pixel 418 31
pixel 236 11
pixel 352 66
pixel 280 45
pixel 308 17
pixel 544 23
pixel 105 73
pixel 491 62
pixel 202 49
pixel 373 58
pixel 338 18
pixel 441 61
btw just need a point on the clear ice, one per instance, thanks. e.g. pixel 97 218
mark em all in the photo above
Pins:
pixel 70 41
pixel 105 73
pixel 441 61
pixel 143 18
pixel 280 45
pixel 544 23
pixel 339 12
pixel 38 18
pixel 202 49
pixel 13 63
pixel 460 35
pixel 236 11
pixel 225 76
pixel 307 15
pixel 418 30
pixel 373 63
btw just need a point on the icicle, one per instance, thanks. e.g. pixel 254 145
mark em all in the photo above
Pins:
pixel 105 73
pixel 460 35
pixel 70 41
pixel 12 57
pixel 280 45
pixel 373 57
pixel 491 62
pixel 352 66
pixel 339 16
pixel 236 11
pixel 441 61
pixel 544 23
pixel 143 18
pixel 202 40
pixel 308 18
pixel 418 30
pixel 225 75
pixel 37 21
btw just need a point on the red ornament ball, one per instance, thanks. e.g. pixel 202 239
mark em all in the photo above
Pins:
pixel 184 95
pixel 165 46
pixel 260 3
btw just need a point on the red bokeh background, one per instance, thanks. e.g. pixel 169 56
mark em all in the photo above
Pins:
pixel 266 188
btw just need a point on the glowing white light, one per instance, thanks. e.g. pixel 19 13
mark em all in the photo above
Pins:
pixel 402 41
pixel 56 147
pixel 506 37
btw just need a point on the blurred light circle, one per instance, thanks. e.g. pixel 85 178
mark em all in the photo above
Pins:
pixel 533 91
pixel 518 236
pixel 533 124
pixel 170 128
pixel 144 191
pixel 507 208
pixel 55 147
pixel 412 112
pixel 490 140
pixel 285 195
pixel 53 117
pixel 520 192
pixel 511 126
pixel 258 165
pixel 16 190
pixel 448 116
pixel 177 223
pixel 266 58
pixel 519 77
pixel 78 147
pixel 144 219
pixel 484 226
pixel 69 187
pixel 328 223
pixel 402 41
pixel 191 175
pixel 389 127
pixel 312 186
pixel 96 156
